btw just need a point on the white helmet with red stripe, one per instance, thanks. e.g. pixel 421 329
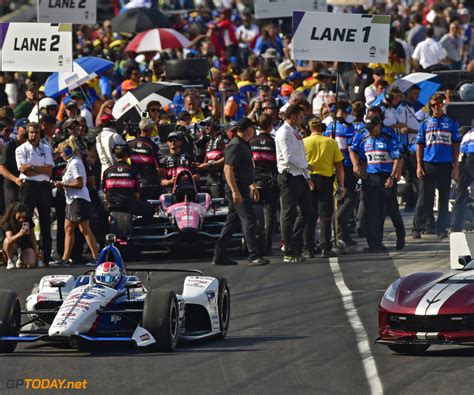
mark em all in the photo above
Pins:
pixel 108 273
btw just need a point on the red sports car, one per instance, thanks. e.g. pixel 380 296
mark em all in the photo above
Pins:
pixel 429 308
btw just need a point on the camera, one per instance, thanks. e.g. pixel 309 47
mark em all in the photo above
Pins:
pixel 145 114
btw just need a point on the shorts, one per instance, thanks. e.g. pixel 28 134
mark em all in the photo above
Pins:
pixel 78 211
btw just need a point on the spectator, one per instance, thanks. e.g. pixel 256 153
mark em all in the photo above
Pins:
pixel 269 39
pixel 35 163
pixel 47 106
pixel 8 168
pixel 105 141
pixel 18 228
pixel 428 53
pixel 241 191
pixel 323 156
pixel 417 32
pixel 23 109
pixel 452 44
pixel 294 181
pixel 78 205
pixel 370 93
pixel 356 80
pixel 437 161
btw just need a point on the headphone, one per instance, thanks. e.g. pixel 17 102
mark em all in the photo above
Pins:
pixel 347 110
pixel 68 151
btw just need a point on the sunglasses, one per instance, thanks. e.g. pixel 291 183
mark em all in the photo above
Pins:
pixel 173 140
pixel 436 104
pixel 155 109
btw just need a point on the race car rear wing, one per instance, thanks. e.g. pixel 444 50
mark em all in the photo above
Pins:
pixel 151 270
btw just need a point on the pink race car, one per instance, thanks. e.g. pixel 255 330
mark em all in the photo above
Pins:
pixel 429 308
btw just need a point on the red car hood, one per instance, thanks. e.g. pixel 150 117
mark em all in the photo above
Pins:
pixel 438 293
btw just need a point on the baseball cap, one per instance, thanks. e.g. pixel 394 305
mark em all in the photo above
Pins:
pixel 128 85
pixel 70 103
pixel 379 71
pixel 21 123
pixel 69 122
pixel 106 119
pixel 32 87
pixel 270 53
pixel 244 123
pixel 175 135
pixel 286 90
pixel 372 122
pixel 295 75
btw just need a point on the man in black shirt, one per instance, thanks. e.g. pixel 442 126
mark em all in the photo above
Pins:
pixel 356 80
pixel 241 192
pixel 8 167
pixel 145 157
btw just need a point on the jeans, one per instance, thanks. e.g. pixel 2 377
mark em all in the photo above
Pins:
pixel 243 212
pixel 466 175
pixel 323 208
pixel 437 175
pixel 295 202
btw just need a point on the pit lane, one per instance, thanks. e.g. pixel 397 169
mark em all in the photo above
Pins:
pixel 289 333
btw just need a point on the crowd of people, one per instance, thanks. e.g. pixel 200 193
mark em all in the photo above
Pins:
pixel 270 134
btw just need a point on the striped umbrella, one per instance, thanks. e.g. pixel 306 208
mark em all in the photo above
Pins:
pixel 156 40
pixel 84 69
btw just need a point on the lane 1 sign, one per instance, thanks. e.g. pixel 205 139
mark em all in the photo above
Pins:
pixel 285 8
pixel 67 11
pixel 42 47
pixel 340 37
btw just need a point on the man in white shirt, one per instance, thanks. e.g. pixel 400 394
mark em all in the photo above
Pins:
pixel 106 140
pixel 428 52
pixel 35 163
pixel 295 182
pixel 246 34
pixel 370 92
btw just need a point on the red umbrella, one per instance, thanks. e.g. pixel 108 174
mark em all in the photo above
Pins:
pixel 156 40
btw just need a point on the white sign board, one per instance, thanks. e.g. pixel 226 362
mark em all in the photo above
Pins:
pixel 81 12
pixel 343 3
pixel 340 37
pixel 284 8
pixel 40 47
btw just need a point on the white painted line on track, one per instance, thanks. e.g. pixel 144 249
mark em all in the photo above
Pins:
pixel 368 360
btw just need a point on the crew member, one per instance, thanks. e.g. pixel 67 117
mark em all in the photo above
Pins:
pixel 145 157
pixel 383 155
pixel 437 154
pixel 466 176
pixel 121 186
pixel 35 163
pixel 264 158
pixel 343 132
pixel 240 192
pixel 323 156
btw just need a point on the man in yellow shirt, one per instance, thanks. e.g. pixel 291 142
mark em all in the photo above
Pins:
pixel 323 156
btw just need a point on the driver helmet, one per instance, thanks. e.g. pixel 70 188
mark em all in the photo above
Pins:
pixel 108 273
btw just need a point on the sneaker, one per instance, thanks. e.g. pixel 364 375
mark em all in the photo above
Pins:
pixel 10 265
pixel 328 254
pixel 442 235
pixel 416 234
pixel 349 242
pixel 226 262
pixel 259 262
pixel 19 263
pixel 60 263
pixel 309 254
pixel 293 259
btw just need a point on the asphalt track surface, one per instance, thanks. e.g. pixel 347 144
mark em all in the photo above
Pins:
pixel 289 334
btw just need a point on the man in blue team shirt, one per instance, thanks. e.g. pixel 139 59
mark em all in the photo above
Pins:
pixel 466 176
pixel 437 154
pixel 343 132
pixel 382 152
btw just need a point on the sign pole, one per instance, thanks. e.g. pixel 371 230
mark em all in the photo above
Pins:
pixel 338 71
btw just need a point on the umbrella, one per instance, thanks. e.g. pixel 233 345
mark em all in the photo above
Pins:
pixel 427 82
pixel 83 70
pixel 138 4
pixel 156 40
pixel 138 20
pixel 131 105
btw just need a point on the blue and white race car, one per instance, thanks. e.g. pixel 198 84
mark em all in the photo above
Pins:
pixel 110 304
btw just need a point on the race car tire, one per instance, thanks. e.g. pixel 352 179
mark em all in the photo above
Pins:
pixel 223 302
pixel 161 318
pixel 187 69
pixel 410 349
pixel 10 318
